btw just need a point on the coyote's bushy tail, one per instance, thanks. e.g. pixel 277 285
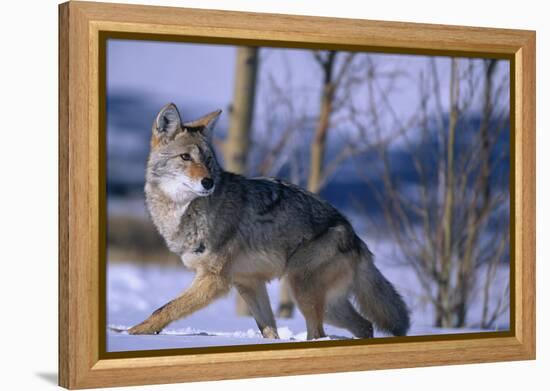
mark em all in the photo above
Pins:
pixel 377 299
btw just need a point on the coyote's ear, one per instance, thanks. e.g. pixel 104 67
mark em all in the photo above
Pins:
pixel 204 125
pixel 168 122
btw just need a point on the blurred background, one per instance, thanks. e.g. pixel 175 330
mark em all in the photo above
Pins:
pixel 414 150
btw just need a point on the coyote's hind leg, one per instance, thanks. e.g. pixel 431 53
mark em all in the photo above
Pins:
pixel 310 298
pixel 340 313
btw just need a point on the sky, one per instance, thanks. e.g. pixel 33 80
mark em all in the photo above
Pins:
pixel 203 74
pixel 172 71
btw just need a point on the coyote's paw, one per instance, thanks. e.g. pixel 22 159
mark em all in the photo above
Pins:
pixel 269 332
pixel 144 328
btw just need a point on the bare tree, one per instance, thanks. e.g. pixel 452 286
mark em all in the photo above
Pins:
pixel 237 145
pixel 332 79
pixel 442 226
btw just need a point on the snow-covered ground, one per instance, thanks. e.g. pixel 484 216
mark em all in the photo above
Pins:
pixel 135 291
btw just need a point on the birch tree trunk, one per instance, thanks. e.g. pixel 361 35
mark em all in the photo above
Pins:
pixel 444 314
pixel 318 147
pixel 238 138
pixel 465 278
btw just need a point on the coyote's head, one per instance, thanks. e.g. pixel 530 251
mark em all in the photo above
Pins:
pixel 182 162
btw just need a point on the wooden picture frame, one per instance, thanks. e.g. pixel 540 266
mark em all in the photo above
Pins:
pixel 82 29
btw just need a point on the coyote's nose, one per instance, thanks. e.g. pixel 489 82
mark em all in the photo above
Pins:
pixel 207 183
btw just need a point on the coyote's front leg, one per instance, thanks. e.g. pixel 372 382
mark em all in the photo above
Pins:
pixel 205 288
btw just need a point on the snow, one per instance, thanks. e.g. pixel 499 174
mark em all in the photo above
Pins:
pixel 134 291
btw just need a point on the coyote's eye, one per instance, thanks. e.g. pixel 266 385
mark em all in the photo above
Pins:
pixel 185 156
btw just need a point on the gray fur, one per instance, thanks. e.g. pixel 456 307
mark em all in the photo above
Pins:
pixel 168 120
pixel 371 289
pixel 248 231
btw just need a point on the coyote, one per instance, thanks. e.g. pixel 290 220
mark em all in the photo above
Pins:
pixel 239 232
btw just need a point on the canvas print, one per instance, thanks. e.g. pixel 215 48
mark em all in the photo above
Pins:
pixel 259 195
